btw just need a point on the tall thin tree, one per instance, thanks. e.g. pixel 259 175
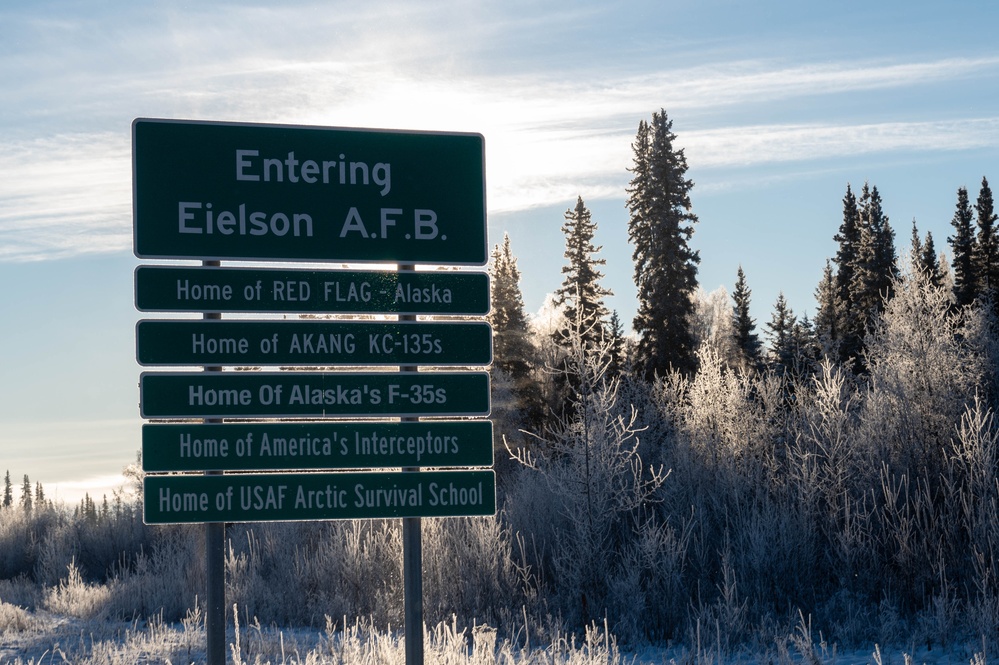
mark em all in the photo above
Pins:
pixel 987 247
pixel 513 350
pixel 8 491
pixel 659 229
pixel 746 338
pixel 827 316
pixel 581 292
pixel 26 494
pixel 849 328
pixel 963 244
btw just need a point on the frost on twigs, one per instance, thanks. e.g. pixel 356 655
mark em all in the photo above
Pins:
pixel 596 487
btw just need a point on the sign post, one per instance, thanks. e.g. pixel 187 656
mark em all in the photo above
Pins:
pixel 215 191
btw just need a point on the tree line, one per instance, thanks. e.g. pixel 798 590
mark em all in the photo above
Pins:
pixel 853 291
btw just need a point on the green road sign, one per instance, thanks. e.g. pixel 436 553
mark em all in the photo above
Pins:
pixel 317 496
pixel 211 190
pixel 263 446
pixel 197 289
pixel 312 394
pixel 309 342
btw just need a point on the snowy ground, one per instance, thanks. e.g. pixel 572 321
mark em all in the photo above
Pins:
pixel 42 637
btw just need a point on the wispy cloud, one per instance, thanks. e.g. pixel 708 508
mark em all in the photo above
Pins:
pixel 768 144
pixel 65 195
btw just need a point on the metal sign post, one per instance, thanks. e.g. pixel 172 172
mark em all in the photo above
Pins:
pixel 412 553
pixel 214 555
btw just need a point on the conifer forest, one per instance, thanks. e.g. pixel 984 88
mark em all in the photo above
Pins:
pixel 694 478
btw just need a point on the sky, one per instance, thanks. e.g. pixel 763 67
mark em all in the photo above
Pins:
pixel 777 106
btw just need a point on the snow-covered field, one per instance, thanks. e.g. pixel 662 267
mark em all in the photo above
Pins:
pixel 43 637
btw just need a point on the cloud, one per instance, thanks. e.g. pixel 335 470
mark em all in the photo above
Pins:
pixel 65 195
pixel 770 144
pixel 549 136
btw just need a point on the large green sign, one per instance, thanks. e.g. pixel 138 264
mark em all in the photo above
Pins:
pixel 317 496
pixel 197 289
pixel 263 446
pixel 312 394
pixel 209 190
pixel 308 342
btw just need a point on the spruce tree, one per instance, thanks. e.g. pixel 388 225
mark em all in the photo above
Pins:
pixel 8 491
pixel 848 331
pixel 512 348
pixel 929 261
pixel 660 227
pixel 828 315
pixel 780 330
pixel 987 248
pixel 618 346
pixel 849 246
pixel 916 251
pixel 581 292
pixel 39 495
pixel 867 270
pixel 805 348
pixel 963 244
pixel 924 256
pixel 876 268
pixel 513 351
pixel 746 338
pixel 26 494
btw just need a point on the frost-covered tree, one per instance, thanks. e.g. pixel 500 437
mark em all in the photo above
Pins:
pixel 618 346
pixel 921 373
pixel 713 326
pixel 581 294
pixel 593 484
pixel 660 228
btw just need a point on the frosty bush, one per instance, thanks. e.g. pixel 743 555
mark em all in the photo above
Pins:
pixel 594 489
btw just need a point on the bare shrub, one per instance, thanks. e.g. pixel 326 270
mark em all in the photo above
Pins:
pixel 468 570
pixel 164 581
pixel 14 619
pixel 76 598
pixel 592 487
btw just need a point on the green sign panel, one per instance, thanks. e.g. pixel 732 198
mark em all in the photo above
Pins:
pixel 297 343
pixel 264 446
pixel 317 496
pixel 210 190
pixel 197 289
pixel 312 394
